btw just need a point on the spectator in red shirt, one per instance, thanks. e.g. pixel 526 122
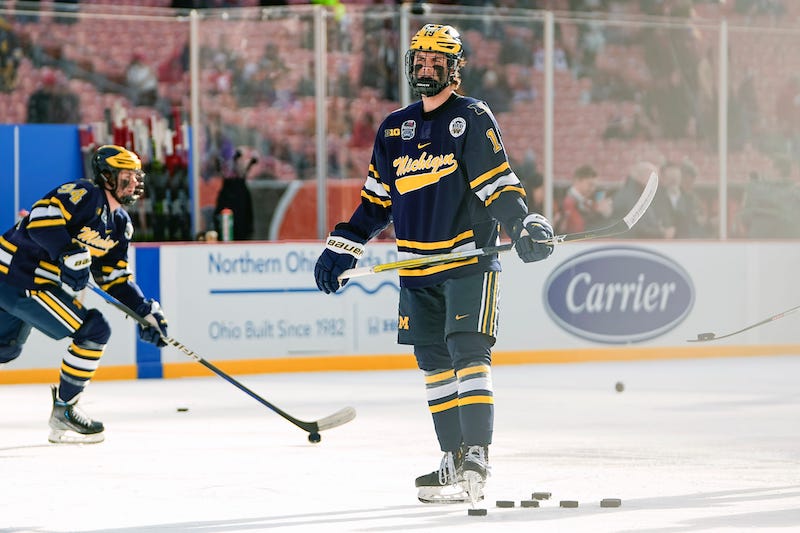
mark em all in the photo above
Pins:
pixel 363 134
pixel 584 206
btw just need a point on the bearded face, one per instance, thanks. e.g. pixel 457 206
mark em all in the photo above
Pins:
pixel 429 72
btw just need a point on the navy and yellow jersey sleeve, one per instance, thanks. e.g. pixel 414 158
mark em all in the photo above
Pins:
pixel 444 180
pixel 32 247
pixel 375 211
pixel 73 212
pixel 490 174
pixel 53 220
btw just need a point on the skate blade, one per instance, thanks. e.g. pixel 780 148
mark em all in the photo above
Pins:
pixel 442 495
pixel 63 436
pixel 473 486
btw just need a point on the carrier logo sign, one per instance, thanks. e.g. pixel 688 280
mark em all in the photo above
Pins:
pixel 619 295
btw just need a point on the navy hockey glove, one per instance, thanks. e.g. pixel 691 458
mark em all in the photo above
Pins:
pixel 343 249
pixel 537 228
pixel 74 265
pixel 150 310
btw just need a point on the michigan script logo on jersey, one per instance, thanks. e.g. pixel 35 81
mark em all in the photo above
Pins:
pixel 425 170
pixel 98 245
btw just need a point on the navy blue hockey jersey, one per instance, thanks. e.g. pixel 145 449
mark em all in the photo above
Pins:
pixel 444 179
pixel 73 212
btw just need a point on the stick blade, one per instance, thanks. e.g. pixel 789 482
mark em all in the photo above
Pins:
pixel 704 337
pixel 356 272
pixel 339 418
pixel 643 202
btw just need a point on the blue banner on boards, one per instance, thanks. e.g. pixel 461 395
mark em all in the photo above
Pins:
pixel 34 158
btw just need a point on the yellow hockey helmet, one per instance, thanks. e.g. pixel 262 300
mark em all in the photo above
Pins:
pixel 107 161
pixel 438 38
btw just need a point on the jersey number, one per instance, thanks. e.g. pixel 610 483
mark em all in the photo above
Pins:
pixel 492 136
pixel 74 195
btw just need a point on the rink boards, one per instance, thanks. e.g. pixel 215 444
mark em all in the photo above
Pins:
pixel 255 308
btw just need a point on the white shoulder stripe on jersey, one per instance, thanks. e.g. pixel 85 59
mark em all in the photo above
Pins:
pixel 373 186
pixel 45 212
pixel 487 190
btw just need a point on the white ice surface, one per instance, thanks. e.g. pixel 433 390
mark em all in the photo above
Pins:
pixel 690 445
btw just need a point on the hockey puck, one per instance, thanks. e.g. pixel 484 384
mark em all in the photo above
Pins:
pixel 504 503
pixel 610 502
pixel 182 409
pixel 567 503
pixel 705 336
pixel 541 495
pixel 314 438
pixel 476 512
pixel 529 503
pixel 620 386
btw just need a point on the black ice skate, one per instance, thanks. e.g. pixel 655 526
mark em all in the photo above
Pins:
pixel 443 485
pixel 475 472
pixel 69 425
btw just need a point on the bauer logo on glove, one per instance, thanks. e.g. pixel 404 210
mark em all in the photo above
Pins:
pixel 338 244
pixel 343 249
pixel 79 260
pixel 74 266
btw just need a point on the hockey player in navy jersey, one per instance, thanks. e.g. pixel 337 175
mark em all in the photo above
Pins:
pixel 76 230
pixel 440 173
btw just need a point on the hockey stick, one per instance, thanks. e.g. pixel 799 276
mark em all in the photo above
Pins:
pixel 619 227
pixel 336 419
pixel 703 337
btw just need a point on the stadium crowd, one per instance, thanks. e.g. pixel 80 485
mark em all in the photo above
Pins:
pixel 621 89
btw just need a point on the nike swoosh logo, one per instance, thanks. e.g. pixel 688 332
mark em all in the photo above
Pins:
pixel 459 317
pixel 420 146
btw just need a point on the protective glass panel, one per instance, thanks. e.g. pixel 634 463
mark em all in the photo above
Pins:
pixel 763 129
pixel 627 94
